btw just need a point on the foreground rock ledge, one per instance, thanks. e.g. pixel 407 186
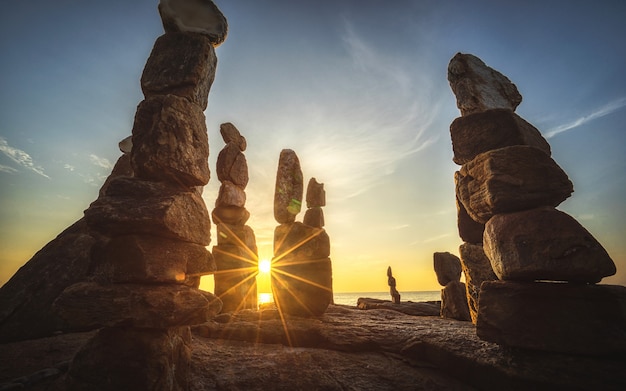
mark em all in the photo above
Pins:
pixel 346 349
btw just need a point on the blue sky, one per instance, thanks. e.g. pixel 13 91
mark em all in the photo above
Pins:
pixel 357 88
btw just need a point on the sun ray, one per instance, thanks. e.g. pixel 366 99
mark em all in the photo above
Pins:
pixel 305 240
pixel 306 281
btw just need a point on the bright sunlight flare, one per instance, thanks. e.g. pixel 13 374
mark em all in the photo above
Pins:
pixel 265 266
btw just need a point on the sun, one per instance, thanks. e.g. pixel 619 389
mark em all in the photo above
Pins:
pixel 265 266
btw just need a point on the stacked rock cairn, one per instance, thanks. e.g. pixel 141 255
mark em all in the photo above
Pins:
pixel 301 267
pixel 454 303
pixel 393 291
pixel 547 265
pixel 236 254
pixel 142 287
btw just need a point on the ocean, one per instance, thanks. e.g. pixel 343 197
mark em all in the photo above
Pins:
pixel 350 298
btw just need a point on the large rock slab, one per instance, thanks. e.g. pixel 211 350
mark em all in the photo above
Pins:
pixel 170 141
pixel 454 301
pixel 235 279
pixel 477 269
pixel 289 187
pixel 544 244
pixel 431 308
pixel 132 206
pixel 181 64
pixel 447 267
pixel 90 305
pixel 232 215
pixel 481 132
pixel 566 318
pixel 478 87
pixel 300 241
pixel 470 231
pixel 510 179
pixel 196 16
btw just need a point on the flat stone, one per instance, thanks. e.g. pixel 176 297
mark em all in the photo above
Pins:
pixel 90 305
pixel 477 269
pixel 470 231
pixel 235 282
pixel 431 308
pixel 544 244
pixel 492 129
pixel 230 134
pixel 447 267
pixel 454 301
pixel 181 64
pixel 232 215
pixel 170 142
pixel 554 317
pixel 300 241
pixel 196 16
pixel 289 188
pixel 315 194
pixel 478 87
pixel 314 217
pixel 232 165
pixel 510 179
pixel 230 195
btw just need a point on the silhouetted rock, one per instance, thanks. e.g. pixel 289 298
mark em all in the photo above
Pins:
pixel 235 282
pixel 430 308
pixel 314 217
pixel 230 134
pixel 454 301
pixel 544 244
pixel 289 188
pixel 196 16
pixel 391 281
pixel 300 241
pixel 477 269
pixel 315 194
pixel 232 165
pixel 470 231
pixel 447 267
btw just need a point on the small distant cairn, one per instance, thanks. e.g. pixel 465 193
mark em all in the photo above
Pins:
pixel 236 254
pixel 454 303
pixel 391 281
pixel 547 265
pixel 301 267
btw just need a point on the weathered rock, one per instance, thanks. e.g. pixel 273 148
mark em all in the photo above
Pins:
pixel 122 168
pixel 132 206
pixel 493 129
pixel 235 282
pixel 196 16
pixel 470 231
pixel 232 165
pixel 300 241
pixel 150 259
pixel 289 187
pixel 236 235
pixel 89 305
pixel 230 195
pixel 510 179
pixel 315 194
pixel 478 87
pixel 567 318
pixel 477 269
pixel 170 141
pixel 447 267
pixel 544 244
pixel 126 145
pixel 454 301
pixel 232 215
pixel 314 217
pixel 181 64
pixel 302 287
pixel 135 359
pixel 430 308
pixel 230 134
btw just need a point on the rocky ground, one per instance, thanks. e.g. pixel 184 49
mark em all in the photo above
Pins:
pixel 345 349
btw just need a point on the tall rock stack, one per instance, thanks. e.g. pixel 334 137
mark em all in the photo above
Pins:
pixel 547 264
pixel 301 268
pixel 236 254
pixel 454 303
pixel 142 288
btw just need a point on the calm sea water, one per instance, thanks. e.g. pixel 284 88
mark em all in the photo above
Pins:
pixel 350 298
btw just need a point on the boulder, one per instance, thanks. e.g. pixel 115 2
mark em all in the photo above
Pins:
pixel 454 301
pixel 231 215
pixel 300 241
pixel 477 269
pixel 236 235
pixel 230 134
pixel 447 267
pixel 510 179
pixel 289 187
pixel 122 168
pixel 492 129
pixel 314 217
pixel 195 16
pixel 544 244
pixel 235 282
pixel 170 141
pixel 555 317
pixel 181 64
pixel 90 305
pixel 132 206
pixel 315 194
pixel 230 195
pixel 429 308
pixel 470 231
pixel 478 87
pixel 232 165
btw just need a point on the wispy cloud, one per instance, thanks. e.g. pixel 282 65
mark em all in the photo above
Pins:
pixel 7 169
pixel 20 157
pixel 607 109
pixel 100 162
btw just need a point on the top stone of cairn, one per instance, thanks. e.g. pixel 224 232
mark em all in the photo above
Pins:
pixel 196 16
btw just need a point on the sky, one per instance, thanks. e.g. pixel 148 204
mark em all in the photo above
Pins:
pixel 358 88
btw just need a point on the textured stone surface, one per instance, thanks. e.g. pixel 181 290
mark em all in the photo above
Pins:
pixel 170 141
pixel 235 282
pixel 89 305
pixel 477 269
pixel 300 241
pixel 478 87
pixel 122 168
pixel 544 244
pixel 232 165
pixel 481 132
pixel 315 194
pixel 133 206
pixel 181 64
pixel 289 187
pixel 236 235
pixel 454 301
pixel 567 318
pixel 230 195
pixel 302 286
pixel 196 16
pixel 510 179
pixel 230 134
pixel 470 231
pixel 314 217
pixel 447 267
pixel 431 308
pixel 233 215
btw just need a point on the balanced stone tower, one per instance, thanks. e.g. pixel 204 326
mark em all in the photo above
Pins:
pixel 142 284
pixel 236 254
pixel 547 265
pixel 454 304
pixel 301 267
